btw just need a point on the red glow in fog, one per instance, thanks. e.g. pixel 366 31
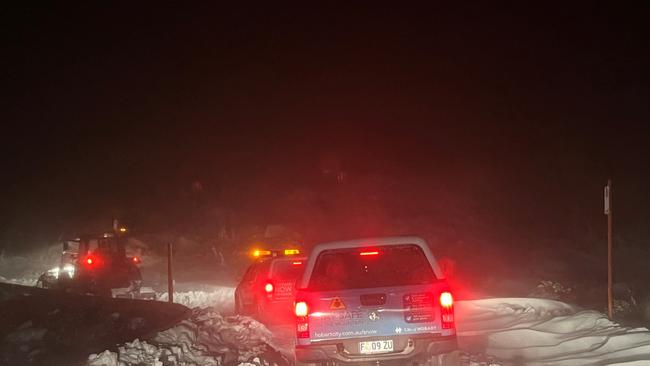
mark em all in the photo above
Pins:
pixel 363 254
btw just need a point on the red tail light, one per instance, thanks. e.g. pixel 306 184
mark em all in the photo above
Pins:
pixel 302 319
pixel 136 260
pixel 91 261
pixel 268 288
pixel 447 310
pixel 446 299
pixel 296 263
pixel 302 309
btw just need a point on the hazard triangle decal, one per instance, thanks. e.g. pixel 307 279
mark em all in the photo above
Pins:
pixel 337 304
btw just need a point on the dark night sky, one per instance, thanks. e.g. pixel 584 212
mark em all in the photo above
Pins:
pixel 125 106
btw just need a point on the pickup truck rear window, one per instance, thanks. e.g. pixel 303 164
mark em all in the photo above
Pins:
pixel 386 266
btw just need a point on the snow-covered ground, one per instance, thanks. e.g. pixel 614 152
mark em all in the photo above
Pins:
pixel 546 332
pixel 509 331
pixel 206 338
pixel 219 297
pixel 24 269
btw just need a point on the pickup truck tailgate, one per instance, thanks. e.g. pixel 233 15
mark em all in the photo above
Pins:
pixel 374 312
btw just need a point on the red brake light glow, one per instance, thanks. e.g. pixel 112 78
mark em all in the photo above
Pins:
pixel 136 260
pixel 447 310
pixel 268 288
pixel 92 260
pixel 302 309
pixel 302 319
pixel 446 300
pixel 369 253
pixel 296 263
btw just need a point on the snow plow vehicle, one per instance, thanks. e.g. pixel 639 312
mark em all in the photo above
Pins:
pixel 98 266
pixel 373 301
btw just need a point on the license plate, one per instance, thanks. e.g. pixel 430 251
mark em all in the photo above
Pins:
pixel 372 347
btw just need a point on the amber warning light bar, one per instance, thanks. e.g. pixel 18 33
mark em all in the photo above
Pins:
pixel 258 253
pixel 261 253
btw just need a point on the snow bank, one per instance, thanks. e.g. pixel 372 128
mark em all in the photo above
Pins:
pixel 222 298
pixel 29 281
pixel 520 331
pixel 25 269
pixel 547 332
pixel 206 338
pixel 142 353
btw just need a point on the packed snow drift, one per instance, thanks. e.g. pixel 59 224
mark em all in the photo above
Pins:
pixel 506 331
pixel 205 338
pixel 49 327
pixel 219 297
pixel 546 332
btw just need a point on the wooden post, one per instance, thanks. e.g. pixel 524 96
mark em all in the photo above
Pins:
pixel 170 276
pixel 610 284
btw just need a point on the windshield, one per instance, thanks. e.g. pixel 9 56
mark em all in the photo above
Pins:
pixel 398 265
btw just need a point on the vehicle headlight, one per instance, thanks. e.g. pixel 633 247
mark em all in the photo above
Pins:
pixel 54 272
pixel 69 269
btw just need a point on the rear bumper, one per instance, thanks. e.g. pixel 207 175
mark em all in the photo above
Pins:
pixel 413 347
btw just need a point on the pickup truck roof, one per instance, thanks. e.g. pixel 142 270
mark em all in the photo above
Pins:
pixel 370 243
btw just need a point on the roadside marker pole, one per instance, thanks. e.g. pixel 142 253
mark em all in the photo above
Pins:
pixel 170 276
pixel 608 212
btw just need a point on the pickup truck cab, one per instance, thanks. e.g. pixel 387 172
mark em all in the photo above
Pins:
pixel 377 300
